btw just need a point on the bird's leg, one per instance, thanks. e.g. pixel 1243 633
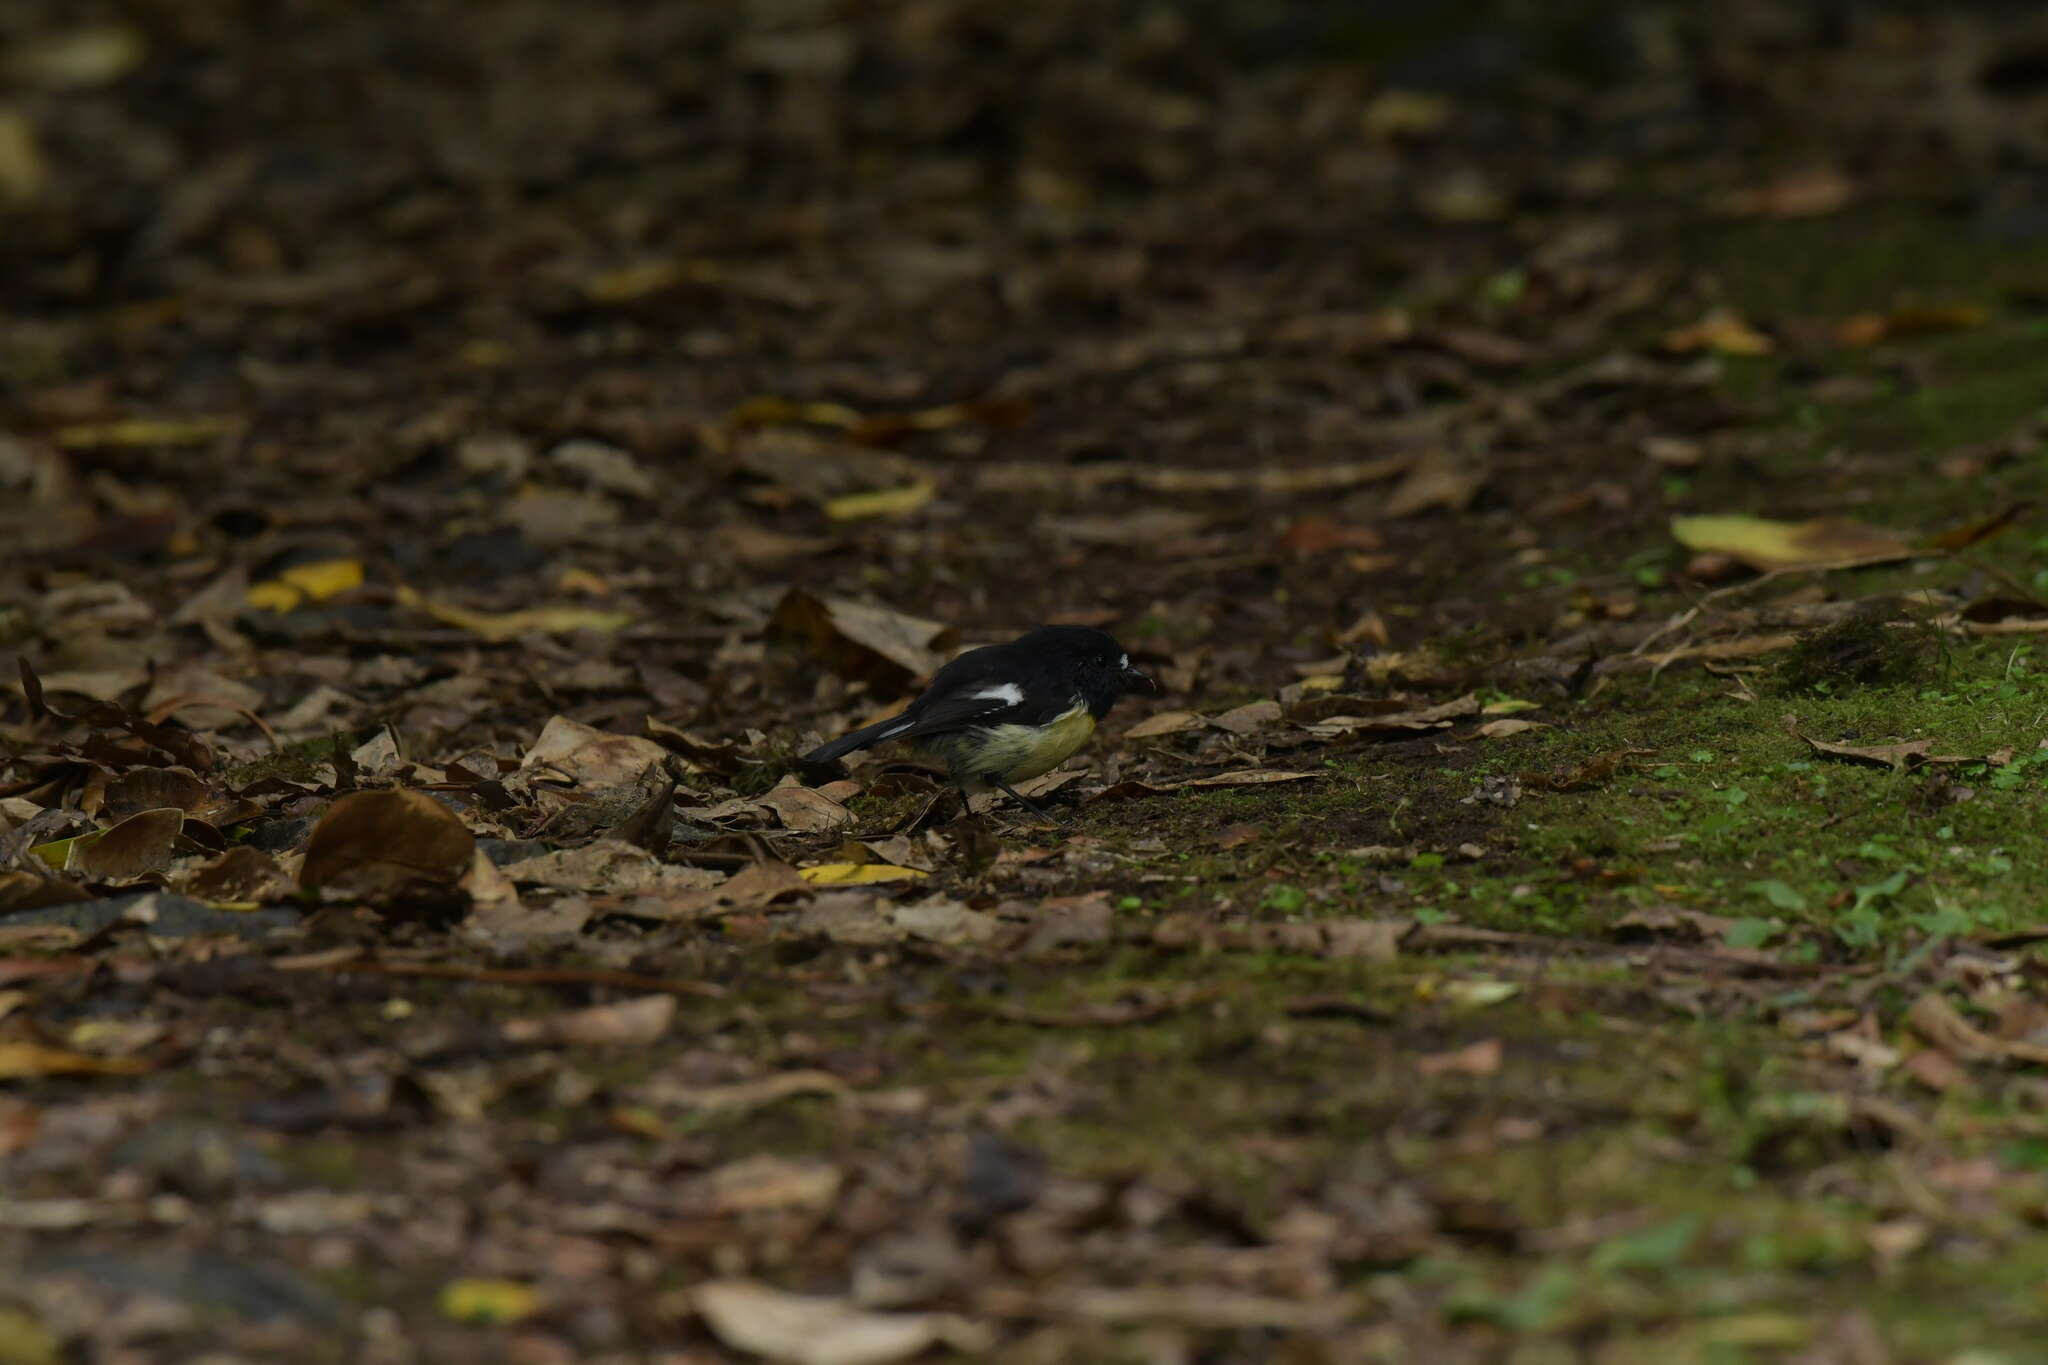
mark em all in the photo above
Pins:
pixel 966 802
pixel 1027 804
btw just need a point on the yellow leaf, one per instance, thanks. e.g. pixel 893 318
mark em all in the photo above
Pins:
pixel 769 410
pixel 1507 706
pixel 78 58
pixel 1720 331
pixel 1765 544
pixel 488 1303
pixel 57 852
pixel 23 168
pixel 1400 113
pixel 33 1059
pixel 858 874
pixel 509 625
pixel 24 1340
pixel 1760 1329
pixel 887 502
pixel 648 278
pixel 315 581
pixel 146 431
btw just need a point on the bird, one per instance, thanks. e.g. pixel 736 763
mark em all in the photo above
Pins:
pixel 1005 713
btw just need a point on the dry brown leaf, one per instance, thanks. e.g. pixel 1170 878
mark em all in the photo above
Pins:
pixel 1475 1059
pixel 1328 717
pixel 1810 193
pixel 1908 754
pixel 744 1096
pixel 1594 772
pixel 390 842
pixel 636 1022
pixel 762 1184
pixel 1941 1024
pixel 1721 331
pixel 804 1329
pixel 878 645
pixel 1437 482
pixel 752 887
pixel 609 867
pixel 140 846
pixel 752 544
pixel 141 789
pixel 1867 329
pixel 243 874
pixel 1248 719
pixel 1165 723
pixel 591 757
pixel 805 810
pixel 1974 532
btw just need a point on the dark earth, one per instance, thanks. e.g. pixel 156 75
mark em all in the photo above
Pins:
pixel 1578 895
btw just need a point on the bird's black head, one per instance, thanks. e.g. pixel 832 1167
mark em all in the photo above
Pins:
pixel 1100 666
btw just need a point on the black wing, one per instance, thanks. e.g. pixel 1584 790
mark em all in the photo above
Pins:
pixel 981 687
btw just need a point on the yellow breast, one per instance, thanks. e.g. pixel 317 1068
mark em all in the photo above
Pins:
pixel 1017 752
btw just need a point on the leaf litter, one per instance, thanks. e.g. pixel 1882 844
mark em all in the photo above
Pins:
pixel 415 623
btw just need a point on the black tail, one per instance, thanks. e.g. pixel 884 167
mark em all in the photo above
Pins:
pixel 859 739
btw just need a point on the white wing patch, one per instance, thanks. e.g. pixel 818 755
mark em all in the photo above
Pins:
pixel 1008 693
pixel 896 729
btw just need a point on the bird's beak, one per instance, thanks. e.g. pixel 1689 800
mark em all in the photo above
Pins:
pixel 1135 676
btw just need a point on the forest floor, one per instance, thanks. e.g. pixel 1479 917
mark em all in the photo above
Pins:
pixel 1577 895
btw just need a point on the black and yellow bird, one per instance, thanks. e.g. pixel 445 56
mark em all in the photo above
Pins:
pixel 1005 713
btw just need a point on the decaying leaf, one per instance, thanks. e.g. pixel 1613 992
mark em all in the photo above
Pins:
pixel 1475 1059
pixel 1721 331
pixel 590 757
pixel 805 809
pixel 390 842
pixel 1166 723
pixel 1910 753
pixel 744 1096
pixel 805 1329
pixel 1810 193
pixel 1331 717
pixel 1242 777
pixel 141 789
pixel 752 887
pixel 510 625
pixel 610 867
pixel 1867 329
pixel 19 1060
pixel 1594 772
pixel 139 846
pixel 636 1022
pixel 1437 482
pixel 878 645
pixel 1941 1024
pixel 1829 542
